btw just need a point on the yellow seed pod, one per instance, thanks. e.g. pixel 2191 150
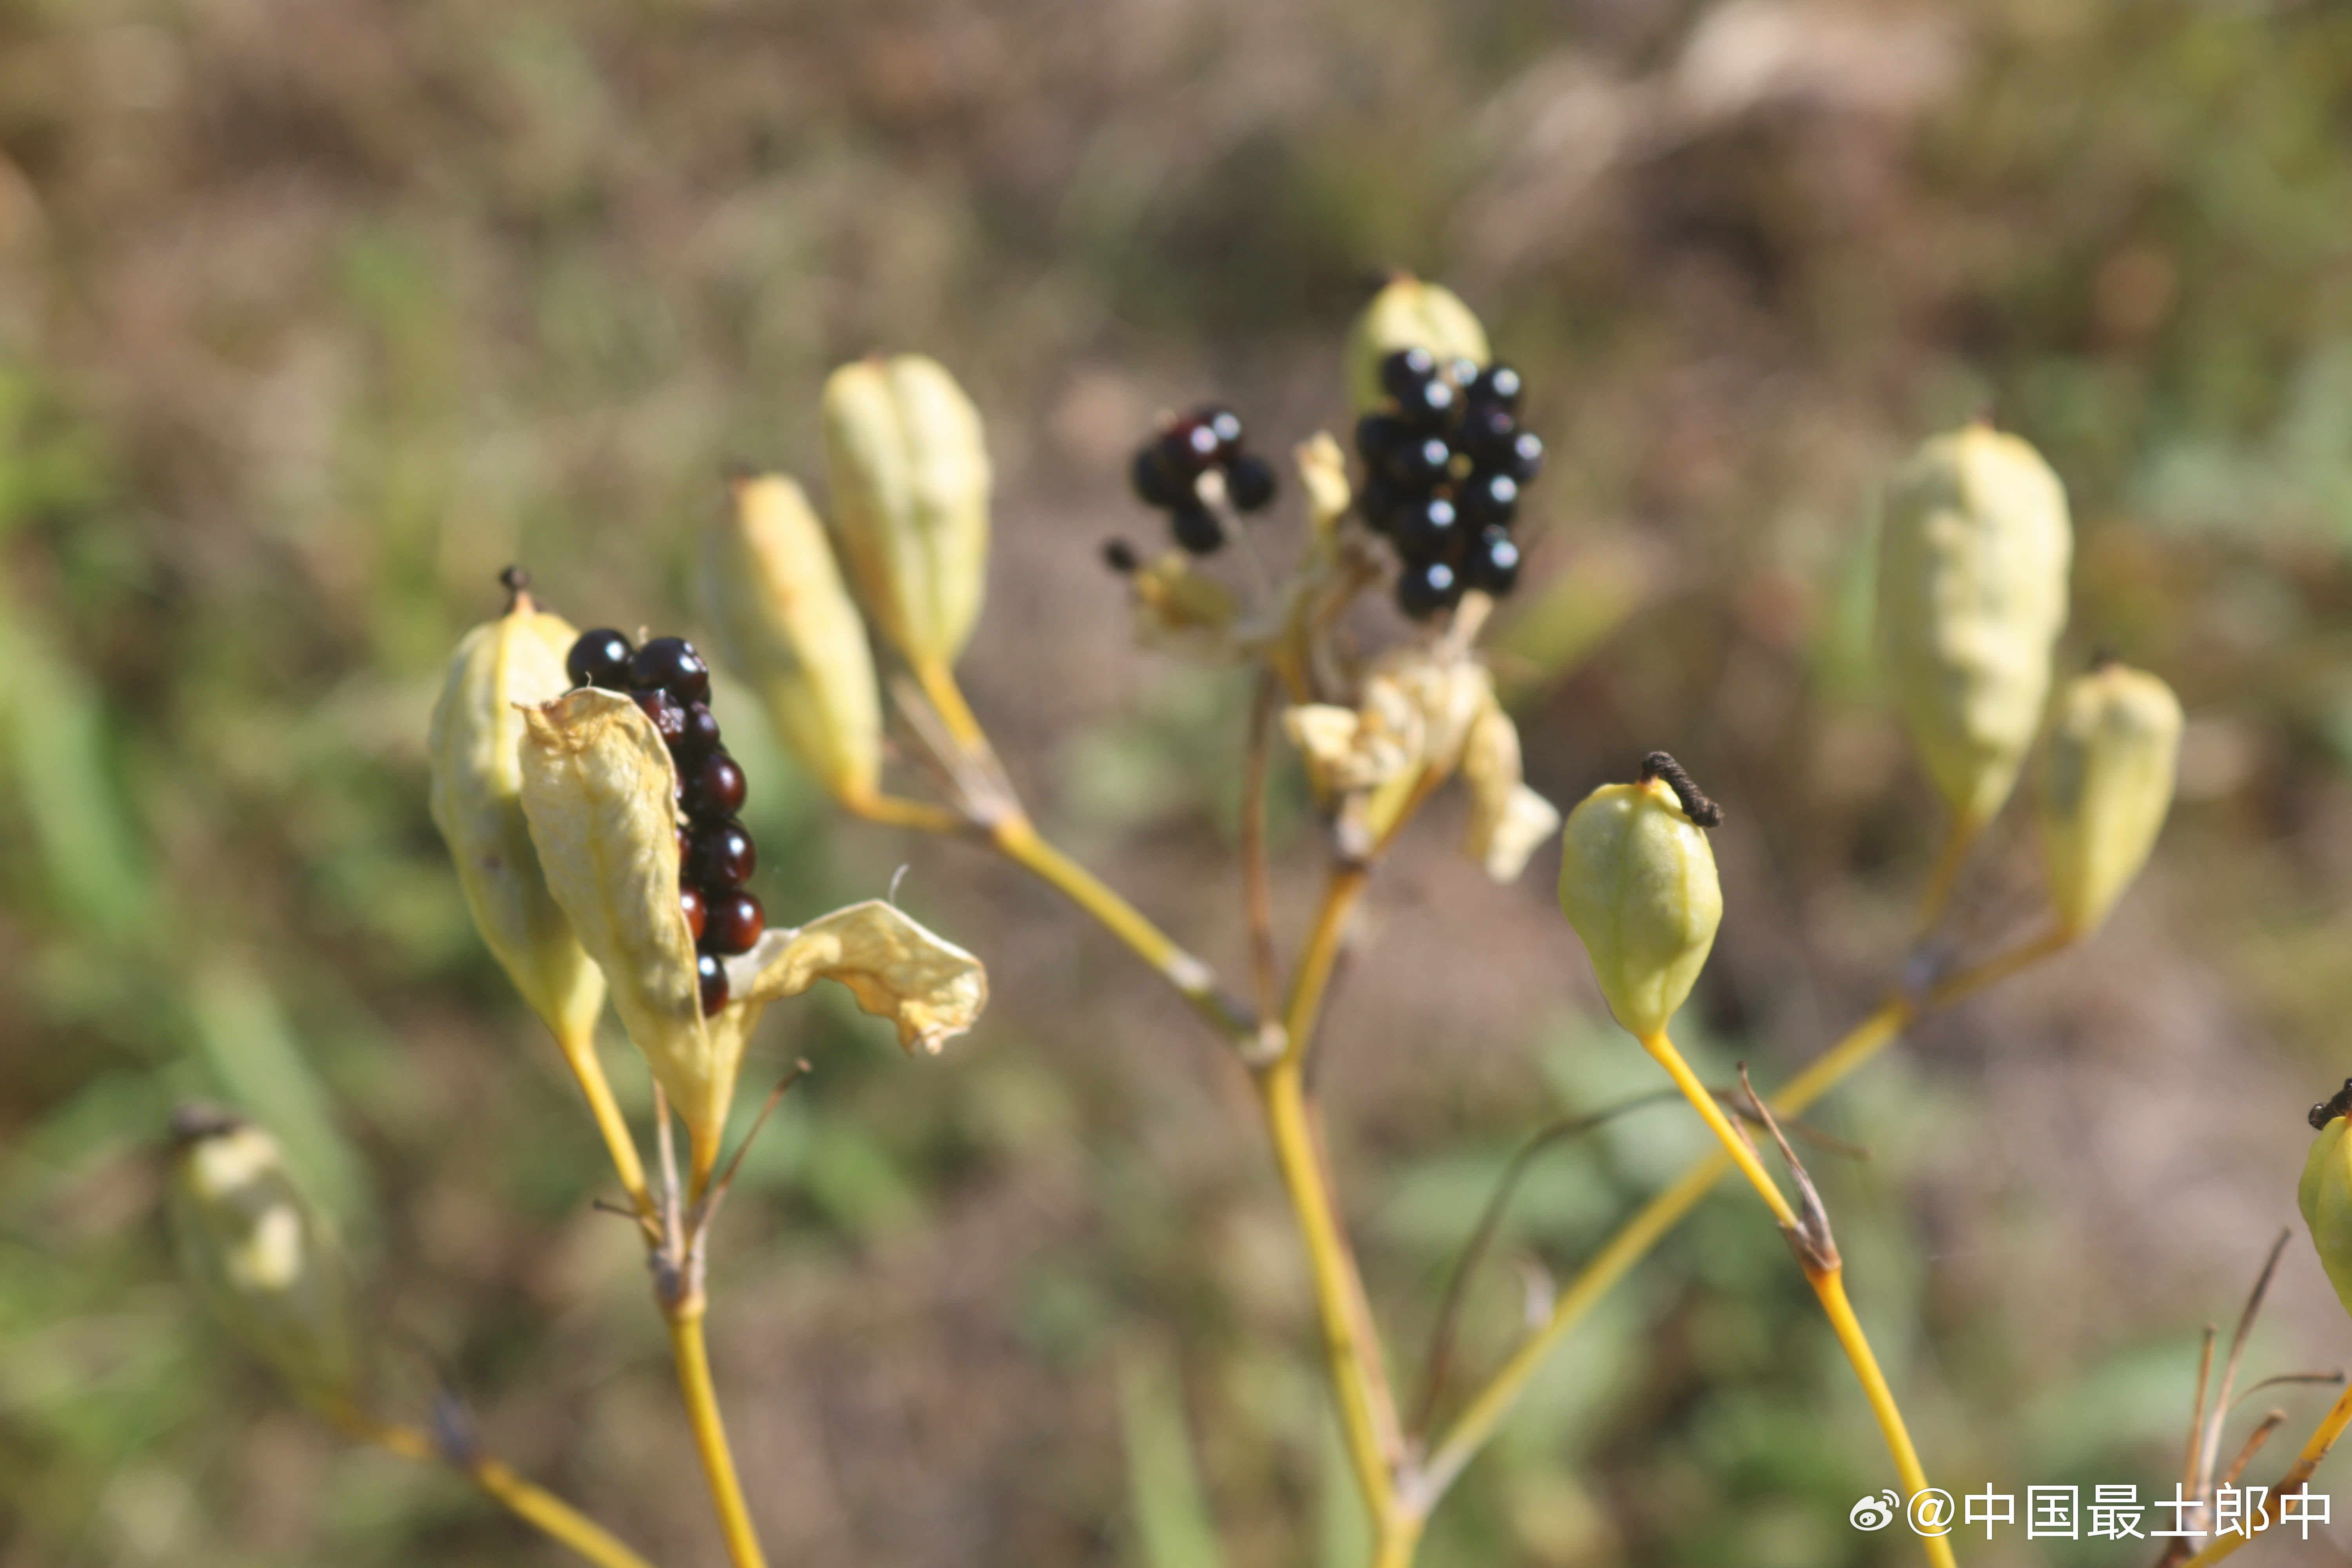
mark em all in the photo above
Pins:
pixel 782 622
pixel 2107 779
pixel 260 1256
pixel 910 486
pixel 1971 596
pixel 1637 881
pixel 477 802
pixel 1409 313
pixel 2324 1194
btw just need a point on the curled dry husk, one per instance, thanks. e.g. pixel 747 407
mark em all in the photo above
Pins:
pixel 1971 598
pixel 1507 819
pixel 2107 779
pixel 783 623
pixel 476 801
pixel 1637 881
pixel 2324 1195
pixel 1410 313
pixel 910 487
pixel 598 788
pixel 1185 614
pixel 260 1256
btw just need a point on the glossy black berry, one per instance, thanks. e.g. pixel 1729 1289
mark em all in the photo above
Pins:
pixel 1120 557
pixel 701 731
pixel 1485 432
pixel 1378 436
pixel 1523 458
pixel 1492 565
pixel 1415 464
pixel 672 665
pixel 1381 504
pixel 1250 481
pixel 714 787
pixel 1426 587
pixel 1463 373
pixel 1428 529
pixel 600 657
pixel 1224 424
pixel 723 857
pixel 1487 498
pixel 1498 384
pixel 1429 406
pixel 695 908
pixel 1188 448
pixel 1404 373
pixel 1154 485
pixel 735 922
pixel 711 975
pixel 1197 530
pixel 667 714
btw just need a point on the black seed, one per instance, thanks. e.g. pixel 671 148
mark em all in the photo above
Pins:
pixel 696 907
pixel 701 733
pixel 1425 529
pixel 1250 481
pixel 1381 504
pixel 1121 556
pixel 1224 424
pixel 667 714
pixel 724 856
pixel 1425 588
pixel 1488 497
pixel 1197 530
pixel 1154 485
pixel 1429 406
pixel 1188 448
pixel 1499 384
pixel 1378 436
pixel 1405 372
pixel 600 657
pixel 1415 464
pixel 1493 563
pixel 735 924
pixel 1486 433
pixel 671 664
pixel 1524 460
pixel 714 787
pixel 711 975
pixel 1463 373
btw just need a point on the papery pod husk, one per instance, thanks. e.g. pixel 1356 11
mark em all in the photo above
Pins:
pixel 1971 598
pixel 599 788
pixel 1507 819
pixel 260 1256
pixel 1637 880
pixel 1184 613
pixel 783 623
pixel 2325 1194
pixel 1409 313
pixel 2106 778
pixel 910 491
pixel 477 802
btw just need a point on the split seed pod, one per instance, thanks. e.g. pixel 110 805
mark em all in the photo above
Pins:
pixel 477 802
pixel 783 623
pixel 1407 314
pixel 2107 779
pixel 1637 881
pixel 260 1256
pixel 599 790
pixel 1971 596
pixel 2325 1194
pixel 910 486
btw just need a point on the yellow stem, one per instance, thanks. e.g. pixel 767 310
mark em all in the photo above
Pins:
pixel 1702 1099
pixel 693 1358
pixel 1400 1537
pixel 1958 841
pixel 2322 1438
pixel 1321 955
pixel 543 1510
pixel 939 683
pixel 588 1070
pixel 896 810
pixel 1829 1284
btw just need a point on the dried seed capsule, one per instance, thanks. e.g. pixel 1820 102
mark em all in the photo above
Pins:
pixel 1409 314
pixel 782 622
pixel 259 1257
pixel 1637 881
pixel 1971 596
pixel 477 802
pixel 2106 778
pixel 910 488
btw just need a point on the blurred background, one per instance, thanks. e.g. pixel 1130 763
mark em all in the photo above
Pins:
pixel 313 317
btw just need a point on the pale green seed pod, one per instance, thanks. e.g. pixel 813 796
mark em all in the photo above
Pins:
pixel 2324 1195
pixel 1971 598
pixel 260 1256
pixel 2107 779
pixel 782 622
pixel 1409 313
pixel 911 488
pixel 477 802
pixel 1637 881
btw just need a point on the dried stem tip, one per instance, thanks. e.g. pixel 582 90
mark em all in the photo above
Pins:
pixel 1696 806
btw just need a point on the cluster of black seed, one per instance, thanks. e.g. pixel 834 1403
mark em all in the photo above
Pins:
pixel 1168 470
pixel 715 857
pixel 1445 461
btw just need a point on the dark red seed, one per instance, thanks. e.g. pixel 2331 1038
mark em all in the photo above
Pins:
pixel 1188 448
pixel 1250 481
pixel 697 908
pixel 685 850
pixel 701 731
pixel 735 924
pixel 711 976
pixel 671 664
pixel 714 786
pixel 1224 424
pixel 724 855
pixel 600 657
pixel 668 716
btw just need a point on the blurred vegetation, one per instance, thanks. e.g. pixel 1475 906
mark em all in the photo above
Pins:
pixel 313 317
